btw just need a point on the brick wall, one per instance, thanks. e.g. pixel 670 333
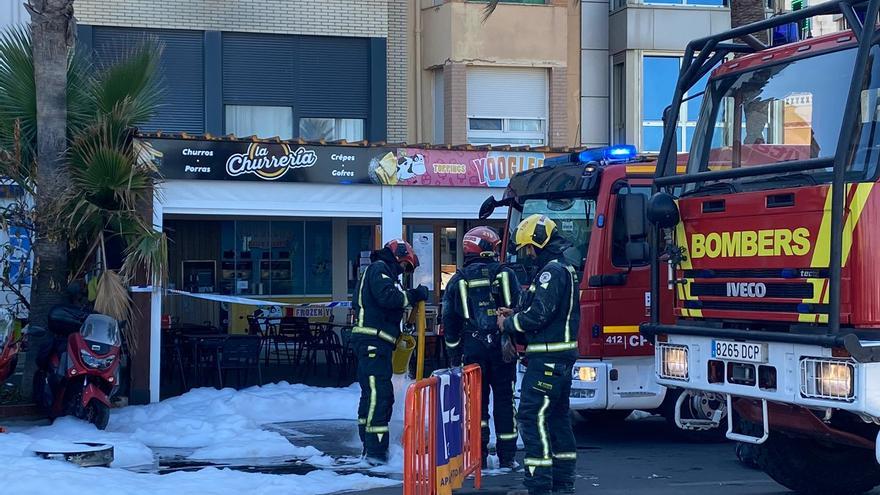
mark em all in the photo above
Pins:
pixel 558 131
pixel 455 103
pixel 362 18
pixel 397 70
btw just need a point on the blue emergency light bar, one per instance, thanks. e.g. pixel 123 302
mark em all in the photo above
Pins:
pixel 607 154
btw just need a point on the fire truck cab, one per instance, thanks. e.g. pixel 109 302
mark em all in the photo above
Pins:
pixel 769 240
pixel 597 197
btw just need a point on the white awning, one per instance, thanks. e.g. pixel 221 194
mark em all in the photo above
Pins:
pixel 249 198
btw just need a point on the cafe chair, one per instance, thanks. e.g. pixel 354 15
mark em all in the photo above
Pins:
pixel 241 354
pixel 267 338
pixel 325 340
pixel 295 332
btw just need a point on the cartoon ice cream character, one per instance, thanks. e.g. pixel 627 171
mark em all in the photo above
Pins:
pixel 409 167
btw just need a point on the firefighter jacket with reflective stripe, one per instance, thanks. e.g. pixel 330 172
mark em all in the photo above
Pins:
pixel 549 312
pixel 471 298
pixel 378 303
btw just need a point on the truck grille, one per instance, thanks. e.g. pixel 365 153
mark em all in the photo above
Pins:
pixel 758 306
pixel 791 291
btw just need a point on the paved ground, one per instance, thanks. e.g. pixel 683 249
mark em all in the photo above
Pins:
pixel 645 456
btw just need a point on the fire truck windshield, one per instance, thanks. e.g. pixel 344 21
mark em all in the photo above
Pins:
pixel 573 217
pixel 791 110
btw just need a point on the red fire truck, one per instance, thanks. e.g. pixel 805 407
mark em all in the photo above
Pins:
pixel 597 198
pixel 769 241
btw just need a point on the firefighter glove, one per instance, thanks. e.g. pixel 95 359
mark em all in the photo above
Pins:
pixel 418 294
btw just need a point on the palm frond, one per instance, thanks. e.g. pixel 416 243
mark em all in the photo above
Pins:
pixel 114 300
pixel 108 179
pixel 133 82
pixel 18 97
pixel 148 248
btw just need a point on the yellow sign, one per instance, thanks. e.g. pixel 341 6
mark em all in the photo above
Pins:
pixel 745 243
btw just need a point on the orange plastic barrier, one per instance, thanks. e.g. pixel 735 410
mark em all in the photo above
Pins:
pixel 420 433
pixel 420 438
pixel 472 383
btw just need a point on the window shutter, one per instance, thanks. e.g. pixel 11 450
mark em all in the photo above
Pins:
pixel 183 101
pixel 507 92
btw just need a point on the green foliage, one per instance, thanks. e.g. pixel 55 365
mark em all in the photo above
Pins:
pixel 109 184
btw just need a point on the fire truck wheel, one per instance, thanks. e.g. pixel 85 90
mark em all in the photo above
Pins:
pixel 811 467
pixel 698 407
pixel 604 416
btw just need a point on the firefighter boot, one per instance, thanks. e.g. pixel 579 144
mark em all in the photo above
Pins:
pixel 377 399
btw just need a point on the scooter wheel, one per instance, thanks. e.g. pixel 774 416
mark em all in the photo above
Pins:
pixel 98 414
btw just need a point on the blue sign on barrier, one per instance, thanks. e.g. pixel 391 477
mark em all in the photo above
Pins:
pixel 450 431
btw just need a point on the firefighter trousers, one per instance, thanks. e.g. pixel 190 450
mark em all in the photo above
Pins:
pixel 377 397
pixel 499 378
pixel 545 425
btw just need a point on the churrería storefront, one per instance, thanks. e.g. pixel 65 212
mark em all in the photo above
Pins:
pixel 293 222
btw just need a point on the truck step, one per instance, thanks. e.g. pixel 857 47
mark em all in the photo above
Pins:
pixel 698 424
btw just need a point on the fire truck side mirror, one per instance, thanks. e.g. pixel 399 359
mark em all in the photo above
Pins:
pixel 634 215
pixel 662 210
pixel 487 208
pixel 637 251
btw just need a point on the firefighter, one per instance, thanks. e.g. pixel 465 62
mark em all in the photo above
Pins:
pixel 547 318
pixel 379 303
pixel 470 329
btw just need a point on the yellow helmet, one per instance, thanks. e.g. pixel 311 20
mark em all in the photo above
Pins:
pixel 534 230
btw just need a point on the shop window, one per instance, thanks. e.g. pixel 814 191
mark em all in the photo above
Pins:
pixel 328 129
pixel 506 131
pixel 360 245
pixel 253 243
pixel 318 257
pixel 260 121
pixel 448 255
pixel 422 240
pixel 276 258
pixel 284 266
pixel 660 75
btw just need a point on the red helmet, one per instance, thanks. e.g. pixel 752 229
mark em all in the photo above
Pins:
pixel 481 241
pixel 403 253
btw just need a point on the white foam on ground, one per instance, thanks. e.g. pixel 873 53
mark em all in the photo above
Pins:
pixel 214 425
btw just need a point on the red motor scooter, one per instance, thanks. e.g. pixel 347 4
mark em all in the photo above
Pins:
pixel 10 344
pixel 80 372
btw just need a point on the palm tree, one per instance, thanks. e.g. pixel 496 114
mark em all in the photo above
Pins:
pixel 744 12
pixel 97 183
pixel 53 27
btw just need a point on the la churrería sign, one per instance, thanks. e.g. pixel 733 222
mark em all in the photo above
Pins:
pixel 240 160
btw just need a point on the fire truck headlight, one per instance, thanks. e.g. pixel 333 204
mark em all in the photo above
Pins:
pixel 585 373
pixel 673 361
pixel 823 378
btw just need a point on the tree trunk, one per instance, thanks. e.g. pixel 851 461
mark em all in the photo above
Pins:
pixel 744 12
pixel 52 28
